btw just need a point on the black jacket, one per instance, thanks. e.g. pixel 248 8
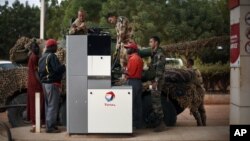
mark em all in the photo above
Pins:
pixel 49 68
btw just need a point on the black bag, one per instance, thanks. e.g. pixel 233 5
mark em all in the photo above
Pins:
pixel 43 68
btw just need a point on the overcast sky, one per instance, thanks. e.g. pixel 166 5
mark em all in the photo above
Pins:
pixel 31 2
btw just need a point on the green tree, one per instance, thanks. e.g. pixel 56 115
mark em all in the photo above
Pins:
pixel 195 19
pixel 92 8
pixel 176 21
pixel 143 16
pixel 54 15
pixel 15 21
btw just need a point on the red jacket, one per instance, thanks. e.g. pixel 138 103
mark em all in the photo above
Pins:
pixel 134 66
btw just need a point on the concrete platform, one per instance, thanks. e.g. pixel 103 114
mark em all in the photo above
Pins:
pixel 217 129
pixel 212 133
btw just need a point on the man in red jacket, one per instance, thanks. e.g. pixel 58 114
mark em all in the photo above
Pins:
pixel 134 74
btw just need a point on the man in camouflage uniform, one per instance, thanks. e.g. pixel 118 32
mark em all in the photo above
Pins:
pixel 158 66
pixel 123 34
pixel 201 89
pixel 78 27
pixel 190 65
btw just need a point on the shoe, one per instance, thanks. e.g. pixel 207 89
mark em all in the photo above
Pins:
pixel 138 127
pixel 33 129
pixel 53 131
pixel 134 128
pixel 27 121
pixel 56 128
pixel 159 128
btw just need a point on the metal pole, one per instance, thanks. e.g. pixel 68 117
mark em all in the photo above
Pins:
pixel 42 18
pixel 37 103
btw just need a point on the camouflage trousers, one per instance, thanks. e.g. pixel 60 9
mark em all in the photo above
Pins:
pixel 156 100
pixel 156 104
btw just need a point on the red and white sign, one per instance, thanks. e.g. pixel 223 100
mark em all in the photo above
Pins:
pixel 235 45
pixel 234 3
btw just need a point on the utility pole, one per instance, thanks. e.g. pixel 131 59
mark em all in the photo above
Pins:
pixel 42 18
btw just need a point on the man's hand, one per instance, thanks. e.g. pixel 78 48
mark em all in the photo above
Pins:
pixel 118 45
pixel 154 85
pixel 74 26
pixel 82 26
pixel 124 71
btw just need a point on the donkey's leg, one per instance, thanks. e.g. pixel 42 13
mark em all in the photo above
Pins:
pixel 197 117
pixel 203 115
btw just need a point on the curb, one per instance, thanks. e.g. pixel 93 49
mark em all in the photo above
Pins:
pixel 217 99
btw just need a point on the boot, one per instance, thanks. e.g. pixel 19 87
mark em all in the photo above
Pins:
pixel 160 127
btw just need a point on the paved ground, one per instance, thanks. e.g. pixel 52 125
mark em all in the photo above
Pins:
pixel 170 134
pixel 186 130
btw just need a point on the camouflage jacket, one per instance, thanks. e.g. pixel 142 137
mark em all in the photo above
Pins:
pixel 199 77
pixel 198 74
pixel 78 28
pixel 123 30
pixel 158 63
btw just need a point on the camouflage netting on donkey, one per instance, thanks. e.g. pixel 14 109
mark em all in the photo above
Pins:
pixel 61 54
pixel 184 86
pixel 181 89
pixel 21 50
pixel 12 81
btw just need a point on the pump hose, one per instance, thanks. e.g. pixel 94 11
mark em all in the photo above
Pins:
pixel 116 58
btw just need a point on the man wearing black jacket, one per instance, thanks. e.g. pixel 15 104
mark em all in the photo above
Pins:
pixel 50 74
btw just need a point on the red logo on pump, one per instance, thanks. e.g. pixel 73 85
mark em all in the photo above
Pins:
pixel 109 96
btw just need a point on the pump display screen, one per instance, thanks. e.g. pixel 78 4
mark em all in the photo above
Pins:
pixel 99 45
